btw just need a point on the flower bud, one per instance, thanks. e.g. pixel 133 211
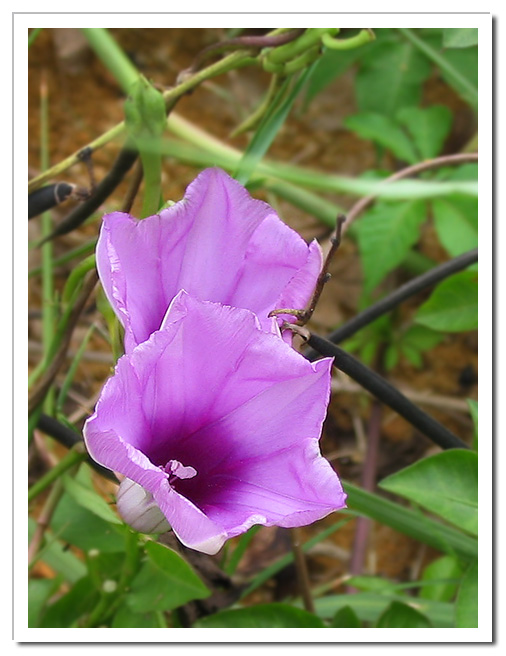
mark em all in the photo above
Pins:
pixel 138 509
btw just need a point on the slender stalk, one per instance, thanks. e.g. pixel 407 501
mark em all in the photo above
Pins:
pixel 76 455
pixel 414 169
pixel 44 520
pixel 46 228
pixel 363 525
pixel 301 567
pixel 443 64
pixel 112 56
pixel 40 390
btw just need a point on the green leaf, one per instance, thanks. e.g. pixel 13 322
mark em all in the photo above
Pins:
pixel 127 619
pixel 391 357
pixel 262 616
pixel 421 337
pixel 462 37
pixel 84 529
pixel 428 127
pixel 90 500
pixel 473 409
pixel 399 615
pixel 467 599
pixel 369 606
pixel 372 584
pixel 415 340
pixel 66 611
pixel 165 581
pixel 453 305
pixel 445 484
pixel 456 223
pixel 385 235
pixel 270 126
pixel 458 67
pixel 345 618
pixel 446 567
pixel 384 131
pixel 390 76
pixel 39 591
pixel 411 522
pixel 55 554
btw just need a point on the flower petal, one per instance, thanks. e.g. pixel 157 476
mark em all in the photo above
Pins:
pixel 233 408
pixel 218 244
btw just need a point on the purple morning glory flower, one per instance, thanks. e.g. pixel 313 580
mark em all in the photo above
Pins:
pixel 218 244
pixel 219 421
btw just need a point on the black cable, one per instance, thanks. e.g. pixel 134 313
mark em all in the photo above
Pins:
pixel 47 197
pixel 387 303
pixel 68 437
pixel 387 394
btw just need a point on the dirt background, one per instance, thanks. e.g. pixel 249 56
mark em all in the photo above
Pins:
pixel 85 101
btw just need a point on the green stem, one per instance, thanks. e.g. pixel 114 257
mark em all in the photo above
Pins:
pixel 112 56
pixel 289 51
pixel 76 277
pixel 85 249
pixel 360 39
pixel 152 170
pixel 73 457
pixel 48 314
pixel 233 61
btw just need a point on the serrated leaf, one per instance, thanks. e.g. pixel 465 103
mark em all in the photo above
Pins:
pixel 428 127
pixel 165 581
pixel 445 567
pixel 90 500
pixel 453 305
pixel 467 599
pixel 456 223
pixel 399 615
pixel 262 616
pixel 390 76
pixel 445 484
pixel 384 131
pixel 462 37
pixel 385 235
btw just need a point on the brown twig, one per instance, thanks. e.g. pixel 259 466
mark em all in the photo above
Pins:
pixel 305 315
pixel 363 525
pixel 302 573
